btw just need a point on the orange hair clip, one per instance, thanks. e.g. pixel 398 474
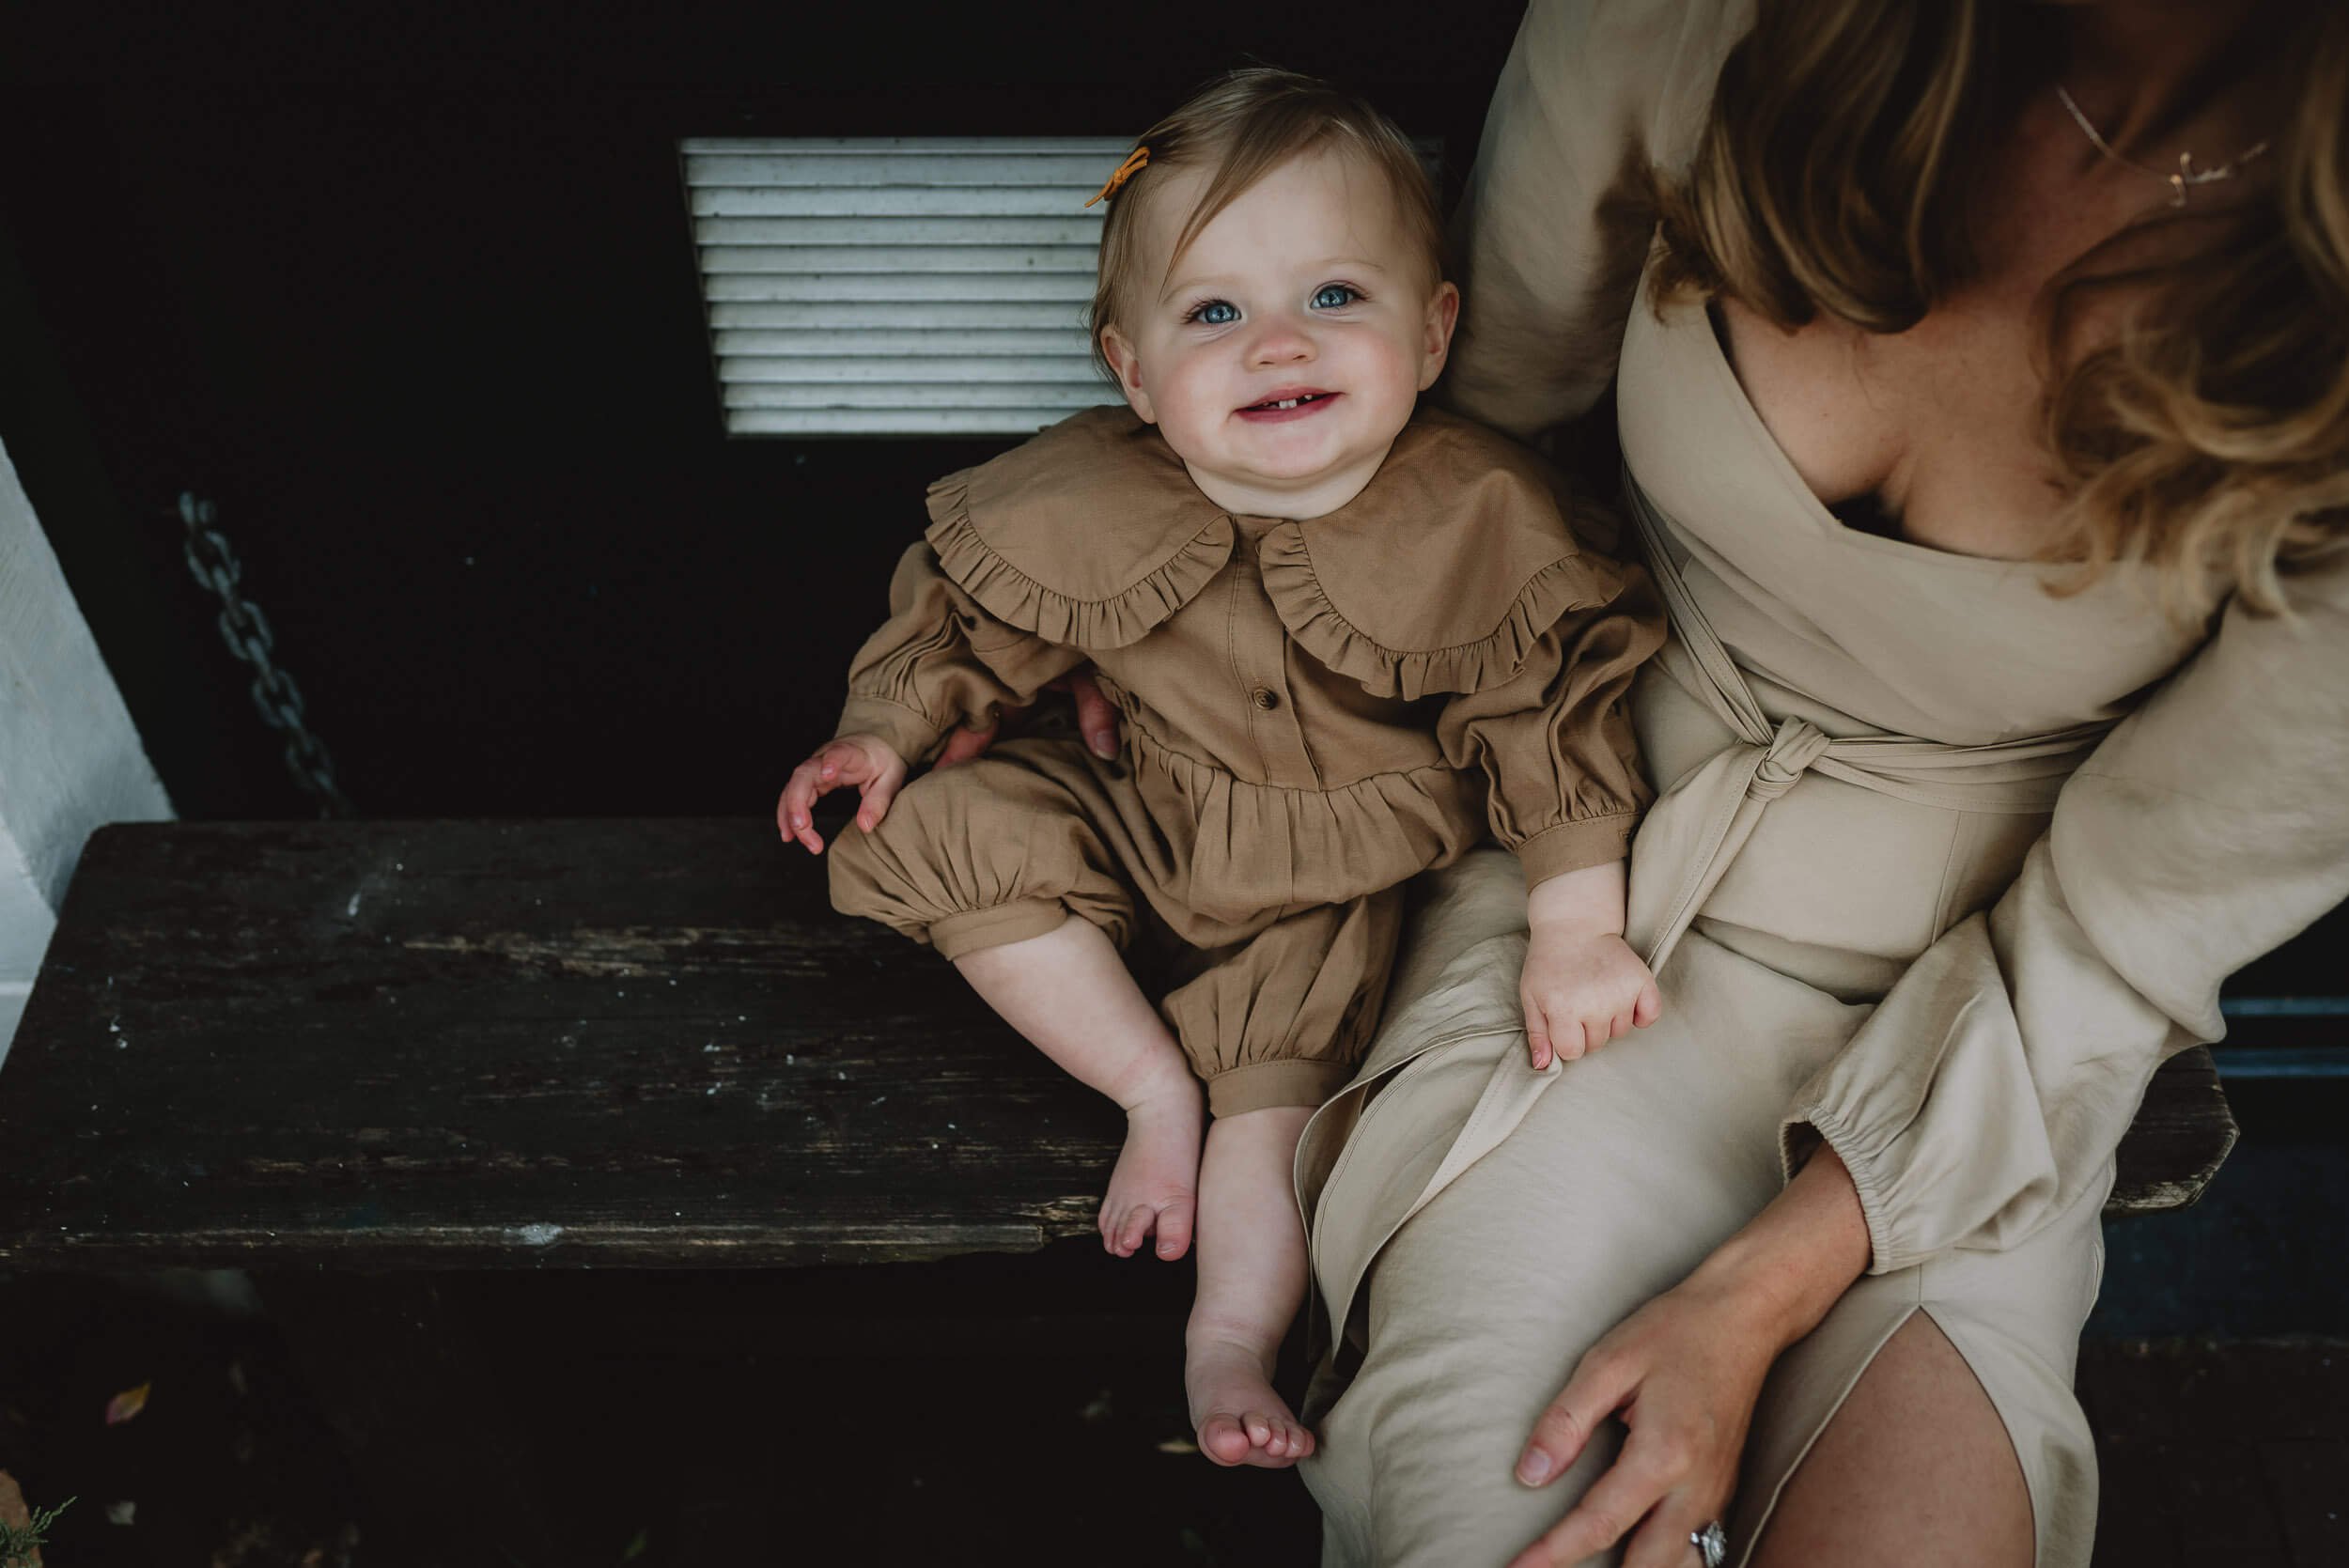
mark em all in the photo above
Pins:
pixel 1125 171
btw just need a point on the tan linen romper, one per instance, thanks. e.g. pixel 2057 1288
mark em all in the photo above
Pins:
pixel 1940 869
pixel 1307 722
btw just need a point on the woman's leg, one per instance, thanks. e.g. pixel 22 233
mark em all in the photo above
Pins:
pixel 1631 1165
pixel 1251 1278
pixel 1916 1468
pixel 1931 1419
pixel 1626 1172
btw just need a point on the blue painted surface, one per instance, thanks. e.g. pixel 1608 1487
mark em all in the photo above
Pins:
pixel 2284 1007
pixel 2267 1252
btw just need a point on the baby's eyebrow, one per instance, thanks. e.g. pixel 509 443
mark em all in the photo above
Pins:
pixel 1190 283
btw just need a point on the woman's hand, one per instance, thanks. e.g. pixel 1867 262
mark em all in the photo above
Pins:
pixel 865 761
pixel 1683 1372
pixel 1097 721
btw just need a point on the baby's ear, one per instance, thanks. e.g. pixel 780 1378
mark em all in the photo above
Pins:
pixel 1126 365
pixel 1444 313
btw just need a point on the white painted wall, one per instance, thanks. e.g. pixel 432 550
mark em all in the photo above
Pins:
pixel 70 759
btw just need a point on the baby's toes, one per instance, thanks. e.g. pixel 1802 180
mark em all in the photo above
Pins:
pixel 1175 1225
pixel 1272 1442
pixel 1223 1439
pixel 1140 1222
pixel 1286 1439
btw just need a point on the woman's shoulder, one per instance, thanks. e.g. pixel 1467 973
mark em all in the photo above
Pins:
pixel 1449 567
pixel 1653 63
pixel 1089 534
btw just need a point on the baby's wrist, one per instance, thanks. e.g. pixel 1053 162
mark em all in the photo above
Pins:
pixel 1589 901
pixel 889 752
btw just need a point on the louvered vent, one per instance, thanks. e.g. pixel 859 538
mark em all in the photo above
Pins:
pixel 899 286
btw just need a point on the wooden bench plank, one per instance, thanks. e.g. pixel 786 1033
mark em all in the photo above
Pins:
pixel 464 1045
pixel 620 1044
pixel 2180 1137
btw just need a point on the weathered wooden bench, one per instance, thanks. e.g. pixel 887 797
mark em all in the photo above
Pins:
pixel 359 1058
pixel 622 1044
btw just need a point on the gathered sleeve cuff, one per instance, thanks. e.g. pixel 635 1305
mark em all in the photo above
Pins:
pixel 940 661
pixel 1991 1086
pixel 1551 729
pixel 1576 845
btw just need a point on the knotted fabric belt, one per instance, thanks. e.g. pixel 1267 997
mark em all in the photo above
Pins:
pixel 1693 833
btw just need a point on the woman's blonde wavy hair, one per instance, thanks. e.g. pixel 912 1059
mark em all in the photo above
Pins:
pixel 2211 438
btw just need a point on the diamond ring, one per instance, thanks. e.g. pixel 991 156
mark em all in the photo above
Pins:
pixel 1712 1543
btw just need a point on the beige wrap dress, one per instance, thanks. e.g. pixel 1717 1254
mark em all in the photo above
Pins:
pixel 1940 869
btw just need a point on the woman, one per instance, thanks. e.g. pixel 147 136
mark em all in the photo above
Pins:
pixel 2004 718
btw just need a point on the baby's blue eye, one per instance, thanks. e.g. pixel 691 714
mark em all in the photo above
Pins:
pixel 1216 313
pixel 1334 296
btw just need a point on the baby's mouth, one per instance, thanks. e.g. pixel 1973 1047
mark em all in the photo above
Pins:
pixel 1288 402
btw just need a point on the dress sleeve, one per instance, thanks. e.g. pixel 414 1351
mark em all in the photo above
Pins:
pixel 941 660
pixel 1554 227
pixel 1991 1086
pixel 1555 740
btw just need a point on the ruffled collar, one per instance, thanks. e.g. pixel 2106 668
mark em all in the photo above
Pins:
pixel 1089 535
pixel 1437 577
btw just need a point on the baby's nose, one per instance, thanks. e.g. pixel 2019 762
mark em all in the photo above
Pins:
pixel 1283 342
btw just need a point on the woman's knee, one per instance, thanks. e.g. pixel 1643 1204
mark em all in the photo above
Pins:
pixel 1427 1452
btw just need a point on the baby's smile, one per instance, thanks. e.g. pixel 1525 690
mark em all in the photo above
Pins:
pixel 1288 403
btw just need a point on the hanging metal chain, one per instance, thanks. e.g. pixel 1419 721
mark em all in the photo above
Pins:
pixel 246 631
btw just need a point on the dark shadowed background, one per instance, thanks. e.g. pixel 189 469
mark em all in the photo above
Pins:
pixel 408 292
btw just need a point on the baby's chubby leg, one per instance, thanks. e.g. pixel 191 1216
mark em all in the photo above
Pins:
pixel 1071 993
pixel 1251 1279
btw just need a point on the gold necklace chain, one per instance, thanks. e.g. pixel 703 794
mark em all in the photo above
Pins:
pixel 2187 175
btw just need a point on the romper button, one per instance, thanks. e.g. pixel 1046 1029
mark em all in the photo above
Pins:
pixel 1265 698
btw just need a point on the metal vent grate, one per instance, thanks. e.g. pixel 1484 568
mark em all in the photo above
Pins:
pixel 899 286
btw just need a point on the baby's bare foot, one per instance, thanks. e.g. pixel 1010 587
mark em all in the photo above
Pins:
pixel 1238 1418
pixel 1155 1185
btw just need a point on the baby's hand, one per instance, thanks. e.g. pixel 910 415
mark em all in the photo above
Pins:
pixel 1583 987
pixel 865 761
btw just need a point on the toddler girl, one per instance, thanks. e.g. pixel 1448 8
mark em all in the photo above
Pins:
pixel 1343 635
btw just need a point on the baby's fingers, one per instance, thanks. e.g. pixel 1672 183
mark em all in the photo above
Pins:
pixel 965 743
pixel 791 812
pixel 1651 1004
pixel 809 782
pixel 878 793
pixel 791 819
